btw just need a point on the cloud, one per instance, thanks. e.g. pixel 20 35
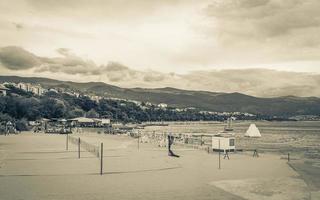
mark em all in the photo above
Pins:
pixel 256 82
pixel 154 77
pixel 244 33
pixel 101 9
pixel 116 72
pixel 263 19
pixel 169 35
pixel 18 26
pixel 16 58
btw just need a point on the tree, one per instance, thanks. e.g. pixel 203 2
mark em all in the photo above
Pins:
pixel 92 114
pixel 52 108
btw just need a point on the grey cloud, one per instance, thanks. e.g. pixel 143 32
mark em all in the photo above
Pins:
pixel 101 9
pixel 114 66
pixel 18 26
pixel 16 58
pixel 258 18
pixel 64 51
pixel 117 72
pixel 68 63
pixel 256 82
pixel 154 77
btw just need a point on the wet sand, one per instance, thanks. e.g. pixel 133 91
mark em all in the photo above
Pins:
pixel 38 166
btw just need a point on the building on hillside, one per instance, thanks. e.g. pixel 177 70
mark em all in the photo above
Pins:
pixel 162 105
pixel 3 90
pixel 53 90
pixel 9 84
pixel 28 87
pixel 95 98
pixel 23 86
pixel 37 89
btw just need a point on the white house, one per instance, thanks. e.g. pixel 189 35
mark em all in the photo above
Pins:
pixel 3 90
pixel 105 122
pixel 35 89
pixel 162 105
pixel 23 86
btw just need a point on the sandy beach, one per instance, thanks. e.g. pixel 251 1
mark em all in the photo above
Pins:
pixel 38 166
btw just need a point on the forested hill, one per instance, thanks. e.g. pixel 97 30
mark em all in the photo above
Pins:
pixel 202 100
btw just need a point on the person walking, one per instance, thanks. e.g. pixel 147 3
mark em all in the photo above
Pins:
pixel 170 142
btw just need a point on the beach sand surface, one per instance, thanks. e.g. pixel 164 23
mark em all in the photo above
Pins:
pixel 38 166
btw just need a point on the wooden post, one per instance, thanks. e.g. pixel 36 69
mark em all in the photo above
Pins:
pixel 288 157
pixel 219 156
pixel 101 159
pixel 67 142
pixel 255 153
pixel 79 148
pixel 138 141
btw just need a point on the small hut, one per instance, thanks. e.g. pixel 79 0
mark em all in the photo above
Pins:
pixel 223 142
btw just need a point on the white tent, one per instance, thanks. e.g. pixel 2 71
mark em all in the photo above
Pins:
pixel 252 131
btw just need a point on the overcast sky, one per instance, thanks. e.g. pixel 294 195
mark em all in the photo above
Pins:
pixel 174 43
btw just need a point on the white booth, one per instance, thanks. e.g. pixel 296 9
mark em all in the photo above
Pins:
pixel 223 143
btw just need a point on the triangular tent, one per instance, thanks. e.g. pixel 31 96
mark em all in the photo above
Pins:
pixel 252 131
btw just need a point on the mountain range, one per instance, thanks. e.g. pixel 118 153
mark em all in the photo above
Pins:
pixel 203 100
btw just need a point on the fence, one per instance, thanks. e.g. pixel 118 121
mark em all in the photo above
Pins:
pixel 84 145
pixel 187 140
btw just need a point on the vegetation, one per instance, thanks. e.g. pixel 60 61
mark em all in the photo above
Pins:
pixel 283 107
pixel 19 105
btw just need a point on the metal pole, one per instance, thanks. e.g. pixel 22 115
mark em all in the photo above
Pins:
pixel 288 157
pixel 67 142
pixel 79 148
pixel 101 159
pixel 219 156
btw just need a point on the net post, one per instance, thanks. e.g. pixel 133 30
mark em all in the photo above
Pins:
pixel 138 141
pixel 219 156
pixel 79 148
pixel 101 159
pixel 67 141
pixel 288 157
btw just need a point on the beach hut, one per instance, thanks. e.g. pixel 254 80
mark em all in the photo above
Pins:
pixel 252 131
pixel 223 143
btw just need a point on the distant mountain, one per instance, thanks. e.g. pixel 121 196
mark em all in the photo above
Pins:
pixel 210 101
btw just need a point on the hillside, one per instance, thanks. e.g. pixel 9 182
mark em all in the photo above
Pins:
pixel 211 101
